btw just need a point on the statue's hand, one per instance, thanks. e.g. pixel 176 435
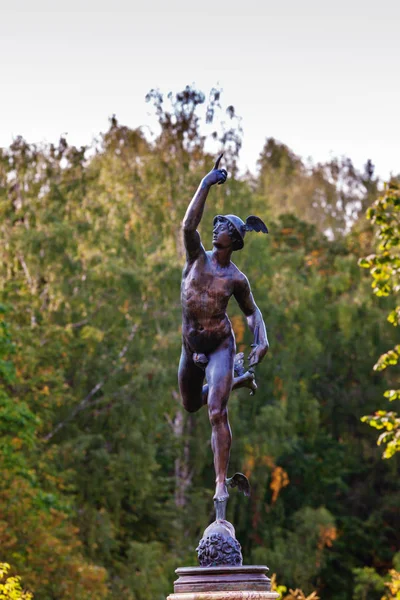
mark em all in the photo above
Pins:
pixel 216 175
pixel 257 354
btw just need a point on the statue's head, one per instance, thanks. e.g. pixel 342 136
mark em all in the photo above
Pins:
pixel 226 233
pixel 231 227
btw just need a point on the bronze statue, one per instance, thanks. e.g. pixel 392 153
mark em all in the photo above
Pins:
pixel 208 349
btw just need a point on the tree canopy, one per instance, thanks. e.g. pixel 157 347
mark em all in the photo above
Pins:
pixel 106 483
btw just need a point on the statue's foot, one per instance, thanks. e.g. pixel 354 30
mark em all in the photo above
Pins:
pixel 246 380
pixel 249 381
pixel 221 492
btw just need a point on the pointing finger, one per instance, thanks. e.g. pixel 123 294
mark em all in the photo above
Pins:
pixel 218 161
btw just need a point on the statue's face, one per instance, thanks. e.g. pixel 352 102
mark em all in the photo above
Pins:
pixel 221 236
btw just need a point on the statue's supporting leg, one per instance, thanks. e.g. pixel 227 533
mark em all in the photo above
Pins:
pixel 220 509
pixel 220 377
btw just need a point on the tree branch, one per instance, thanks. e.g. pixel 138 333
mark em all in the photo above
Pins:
pixel 26 271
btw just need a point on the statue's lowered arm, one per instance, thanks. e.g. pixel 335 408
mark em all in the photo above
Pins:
pixel 255 321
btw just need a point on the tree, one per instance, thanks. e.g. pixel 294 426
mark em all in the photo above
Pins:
pixel 35 524
pixel 108 484
pixel 384 267
pixel 331 195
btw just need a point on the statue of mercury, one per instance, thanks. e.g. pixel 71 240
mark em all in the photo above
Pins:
pixel 209 280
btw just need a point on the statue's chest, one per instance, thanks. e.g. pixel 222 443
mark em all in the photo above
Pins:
pixel 207 280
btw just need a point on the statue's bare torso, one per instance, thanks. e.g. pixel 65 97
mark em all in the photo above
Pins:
pixel 205 293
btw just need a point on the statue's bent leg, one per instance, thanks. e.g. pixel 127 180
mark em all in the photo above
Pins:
pixel 190 378
pixel 247 380
pixel 220 376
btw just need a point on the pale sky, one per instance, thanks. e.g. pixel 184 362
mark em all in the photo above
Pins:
pixel 322 77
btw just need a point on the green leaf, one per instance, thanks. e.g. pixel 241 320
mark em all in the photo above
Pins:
pixel 364 262
pixel 394 316
pixel 392 395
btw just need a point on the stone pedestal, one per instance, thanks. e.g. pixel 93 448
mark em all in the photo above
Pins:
pixel 223 583
pixel 245 595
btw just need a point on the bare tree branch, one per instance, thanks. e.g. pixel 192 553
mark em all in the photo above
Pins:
pixel 79 323
pixel 87 319
pixel 26 271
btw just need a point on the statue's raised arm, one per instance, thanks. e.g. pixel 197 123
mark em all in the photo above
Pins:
pixel 195 210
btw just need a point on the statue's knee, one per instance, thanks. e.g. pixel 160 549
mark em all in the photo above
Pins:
pixel 217 415
pixel 192 403
pixel 191 408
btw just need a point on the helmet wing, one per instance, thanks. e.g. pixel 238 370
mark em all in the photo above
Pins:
pixel 255 224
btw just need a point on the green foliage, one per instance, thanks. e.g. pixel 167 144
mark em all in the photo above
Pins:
pixel 331 195
pixel 390 422
pixel 35 528
pixel 384 267
pixel 299 553
pixel 369 584
pixel 106 483
pixel 10 587
pixel 7 372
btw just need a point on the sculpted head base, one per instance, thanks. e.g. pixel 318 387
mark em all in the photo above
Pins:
pixel 238 228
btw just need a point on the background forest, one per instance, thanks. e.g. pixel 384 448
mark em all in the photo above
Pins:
pixel 106 485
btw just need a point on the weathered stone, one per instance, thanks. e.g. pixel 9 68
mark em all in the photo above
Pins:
pixel 222 579
pixel 229 595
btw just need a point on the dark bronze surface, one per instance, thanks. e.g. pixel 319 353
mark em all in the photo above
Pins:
pixel 209 280
pixel 216 579
pixel 219 546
